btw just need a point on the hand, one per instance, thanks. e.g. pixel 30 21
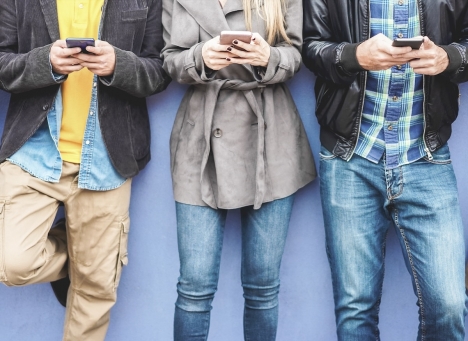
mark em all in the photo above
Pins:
pixel 377 53
pixel 216 56
pixel 430 59
pixel 102 60
pixel 62 58
pixel 257 53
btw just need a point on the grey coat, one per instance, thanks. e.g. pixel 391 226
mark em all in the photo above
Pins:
pixel 237 139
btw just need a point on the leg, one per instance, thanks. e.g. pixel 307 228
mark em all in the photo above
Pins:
pixel 200 232
pixel 428 220
pixel 264 234
pixel 29 251
pixel 356 224
pixel 97 231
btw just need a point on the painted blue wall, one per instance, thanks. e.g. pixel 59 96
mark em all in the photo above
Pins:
pixel 147 292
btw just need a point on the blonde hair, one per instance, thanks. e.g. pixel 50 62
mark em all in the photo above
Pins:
pixel 273 13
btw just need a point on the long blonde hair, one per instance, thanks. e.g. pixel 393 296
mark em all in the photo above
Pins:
pixel 273 13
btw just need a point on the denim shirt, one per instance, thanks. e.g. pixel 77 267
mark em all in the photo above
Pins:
pixel 40 155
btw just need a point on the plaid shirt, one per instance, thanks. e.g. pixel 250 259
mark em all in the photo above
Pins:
pixel 392 118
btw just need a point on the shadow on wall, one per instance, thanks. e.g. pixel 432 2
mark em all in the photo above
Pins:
pixel 147 291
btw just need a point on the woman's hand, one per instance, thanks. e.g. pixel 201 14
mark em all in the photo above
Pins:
pixel 257 53
pixel 216 56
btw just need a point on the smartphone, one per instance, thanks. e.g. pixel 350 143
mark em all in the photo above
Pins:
pixel 227 37
pixel 80 42
pixel 414 43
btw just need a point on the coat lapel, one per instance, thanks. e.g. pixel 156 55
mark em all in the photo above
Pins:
pixel 208 14
pixel 49 10
pixel 233 6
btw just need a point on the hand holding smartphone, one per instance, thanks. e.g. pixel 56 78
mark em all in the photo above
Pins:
pixel 80 42
pixel 227 37
pixel 415 43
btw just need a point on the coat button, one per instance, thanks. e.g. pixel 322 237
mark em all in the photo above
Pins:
pixel 217 132
pixel 45 107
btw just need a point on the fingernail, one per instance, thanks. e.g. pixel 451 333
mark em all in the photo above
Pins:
pixel 228 59
pixel 235 42
pixel 253 38
pixel 229 49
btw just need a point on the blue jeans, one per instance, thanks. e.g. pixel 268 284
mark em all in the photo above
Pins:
pixel 200 236
pixel 361 200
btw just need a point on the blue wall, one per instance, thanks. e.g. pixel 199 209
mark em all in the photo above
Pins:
pixel 147 292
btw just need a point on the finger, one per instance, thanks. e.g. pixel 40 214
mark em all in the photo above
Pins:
pixel 241 61
pixel 257 39
pixel 88 57
pixel 65 52
pixel 98 50
pixel 241 44
pixel 60 43
pixel 428 43
pixel 241 54
pixel 393 50
pixel 219 48
pixel 221 55
pixel 65 70
pixel 425 71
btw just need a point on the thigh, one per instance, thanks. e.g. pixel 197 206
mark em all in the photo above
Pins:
pixel 200 231
pixel 26 215
pixel 356 223
pixel 428 220
pixel 264 233
pixel 98 224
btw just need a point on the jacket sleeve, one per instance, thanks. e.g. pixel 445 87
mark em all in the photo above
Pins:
pixel 142 75
pixel 333 61
pixel 285 59
pixel 457 70
pixel 21 72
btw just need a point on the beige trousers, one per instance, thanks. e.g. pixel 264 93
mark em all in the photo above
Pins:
pixel 95 243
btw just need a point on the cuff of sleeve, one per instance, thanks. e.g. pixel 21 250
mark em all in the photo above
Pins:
pixel 349 60
pixel 42 57
pixel 58 77
pixel 206 74
pixel 264 75
pixel 122 60
pixel 455 59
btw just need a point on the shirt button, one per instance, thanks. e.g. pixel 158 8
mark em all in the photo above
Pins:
pixel 400 2
pixel 400 35
pixel 398 67
pixel 91 113
pixel 45 107
pixel 217 132
pixel 80 6
pixel 395 98
pixel 94 84
pixel 390 127
pixel 87 142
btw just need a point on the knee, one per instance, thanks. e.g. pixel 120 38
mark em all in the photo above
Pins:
pixel 195 295
pixel 446 308
pixel 18 270
pixel 261 297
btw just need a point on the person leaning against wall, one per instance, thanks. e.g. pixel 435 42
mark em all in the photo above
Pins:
pixel 385 114
pixel 77 131
pixel 237 142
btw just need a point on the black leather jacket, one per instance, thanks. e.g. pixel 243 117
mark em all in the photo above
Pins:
pixel 332 32
pixel 133 27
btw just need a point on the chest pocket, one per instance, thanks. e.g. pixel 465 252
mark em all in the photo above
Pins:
pixel 134 15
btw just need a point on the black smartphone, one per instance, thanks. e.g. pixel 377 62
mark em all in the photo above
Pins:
pixel 414 43
pixel 80 42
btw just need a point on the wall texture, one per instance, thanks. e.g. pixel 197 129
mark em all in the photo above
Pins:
pixel 147 291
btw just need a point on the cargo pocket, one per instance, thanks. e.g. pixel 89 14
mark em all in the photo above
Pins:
pixel 122 257
pixel 3 206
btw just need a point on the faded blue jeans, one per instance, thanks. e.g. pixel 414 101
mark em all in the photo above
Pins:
pixel 361 200
pixel 200 235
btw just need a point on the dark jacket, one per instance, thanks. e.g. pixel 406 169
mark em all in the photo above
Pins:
pixel 332 31
pixel 133 27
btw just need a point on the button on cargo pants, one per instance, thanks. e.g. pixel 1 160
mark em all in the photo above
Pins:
pixel 95 243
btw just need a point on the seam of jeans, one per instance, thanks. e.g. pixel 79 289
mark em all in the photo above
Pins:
pixel 384 249
pixel 415 276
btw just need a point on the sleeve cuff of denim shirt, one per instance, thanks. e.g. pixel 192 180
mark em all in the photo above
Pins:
pixel 56 76
pixel 349 61
pixel 456 59
pixel 206 74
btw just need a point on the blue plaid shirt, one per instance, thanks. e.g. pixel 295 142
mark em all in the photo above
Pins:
pixel 392 118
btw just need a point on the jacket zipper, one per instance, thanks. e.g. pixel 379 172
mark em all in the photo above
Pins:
pixel 364 84
pixel 421 27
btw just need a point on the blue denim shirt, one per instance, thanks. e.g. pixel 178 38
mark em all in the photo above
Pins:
pixel 40 155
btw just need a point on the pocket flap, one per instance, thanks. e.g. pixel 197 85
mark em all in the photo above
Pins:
pixel 134 15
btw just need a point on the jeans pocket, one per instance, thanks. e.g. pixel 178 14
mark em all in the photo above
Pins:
pixel 441 156
pixel 325 154
pixel 122 257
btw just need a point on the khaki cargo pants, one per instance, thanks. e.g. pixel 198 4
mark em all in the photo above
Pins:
pixel 95 243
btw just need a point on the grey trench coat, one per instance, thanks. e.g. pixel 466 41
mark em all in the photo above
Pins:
pixel 237 139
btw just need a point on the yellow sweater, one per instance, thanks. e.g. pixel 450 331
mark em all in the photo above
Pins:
pixel 77 19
